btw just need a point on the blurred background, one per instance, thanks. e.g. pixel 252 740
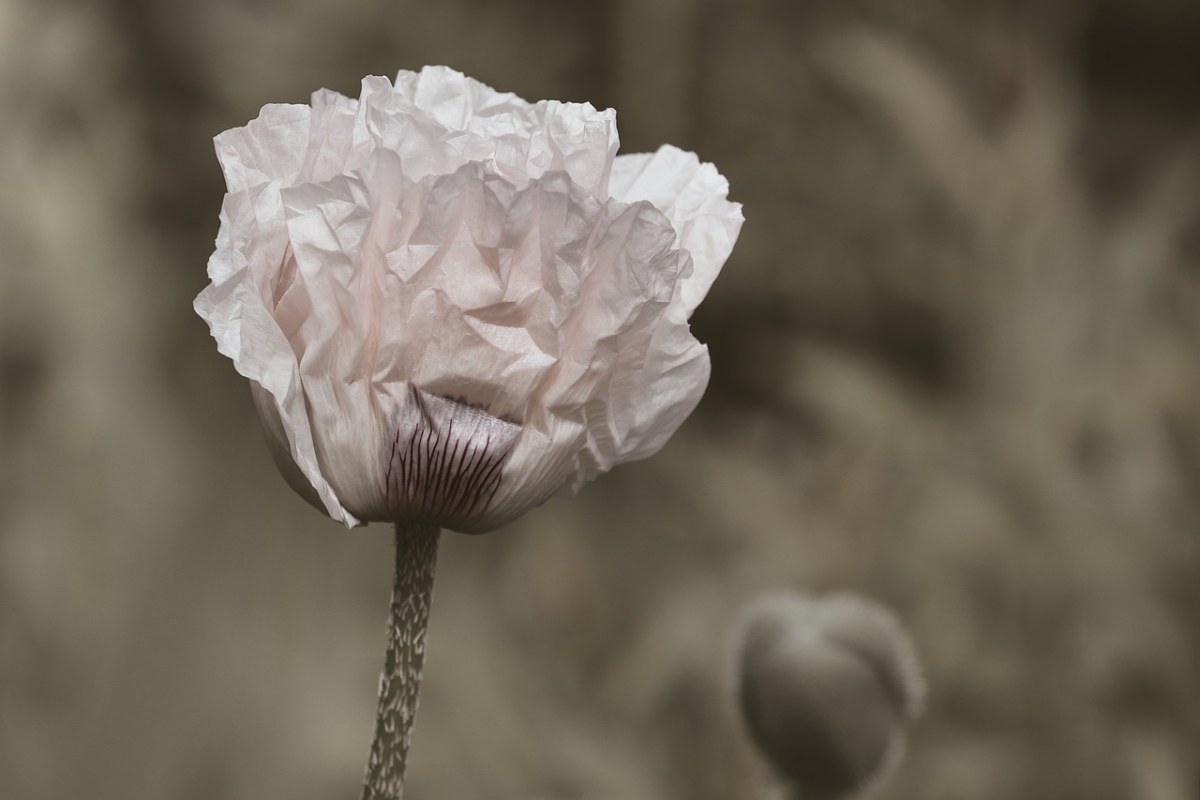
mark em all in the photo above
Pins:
pixel 956 369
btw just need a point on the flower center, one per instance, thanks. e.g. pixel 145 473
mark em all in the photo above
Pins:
pixel 446 459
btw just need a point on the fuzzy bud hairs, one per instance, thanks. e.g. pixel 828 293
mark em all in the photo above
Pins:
pixel 827 689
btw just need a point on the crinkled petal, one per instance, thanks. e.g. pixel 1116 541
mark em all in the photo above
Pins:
pixel 449 119
pixel 453 99
pixel 287 144
pixel 693 195
pixel 248 334
pixel 634 272
pixel 270 148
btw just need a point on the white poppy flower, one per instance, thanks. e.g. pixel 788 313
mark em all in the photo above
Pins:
pixel 452 303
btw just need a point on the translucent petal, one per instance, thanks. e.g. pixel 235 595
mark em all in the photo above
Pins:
pixel 693 196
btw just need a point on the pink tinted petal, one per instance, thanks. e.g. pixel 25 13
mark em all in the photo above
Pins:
pixel 246 332
pixel 270 148
pixel 453 99
pixel 519 140
pixel 693 196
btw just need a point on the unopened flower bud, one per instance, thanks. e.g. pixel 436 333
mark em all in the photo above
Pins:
pixel 827 688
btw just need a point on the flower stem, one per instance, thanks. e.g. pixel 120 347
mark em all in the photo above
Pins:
pixel 400 683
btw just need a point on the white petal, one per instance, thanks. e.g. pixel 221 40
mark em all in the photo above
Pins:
pixel 442 110
pixel 251 246
pixel 270 148
pixel 247 333
pixel 287 144
pixel 592 400
pixel 278 444
pixel 452 98
pixel 670 385
pixel 693 195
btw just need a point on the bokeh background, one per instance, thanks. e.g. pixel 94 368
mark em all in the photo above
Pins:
pixel 956 369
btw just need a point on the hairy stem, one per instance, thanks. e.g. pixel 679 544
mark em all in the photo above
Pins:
pixel 400 683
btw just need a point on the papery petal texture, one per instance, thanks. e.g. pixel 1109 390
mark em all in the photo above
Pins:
pixel 452 303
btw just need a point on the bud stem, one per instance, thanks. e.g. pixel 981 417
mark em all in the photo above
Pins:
pixel 400 682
